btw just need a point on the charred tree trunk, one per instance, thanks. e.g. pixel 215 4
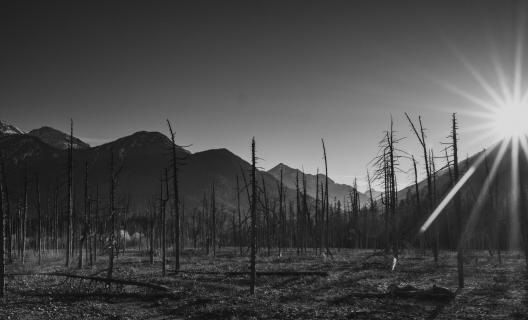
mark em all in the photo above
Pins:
pixel 239 217
pixel 2 228
pixel 39 221
pixel 457 205
pixel 213 222
pixel 163 217
pixel 112 238
pixel 69 235
pixel 84 231
pixel 176 201
pixel 281 214
pixel 23 222
pixel 253 218
pixel 421 139
pixel 7 212
pixel 151 233
pixel 326 201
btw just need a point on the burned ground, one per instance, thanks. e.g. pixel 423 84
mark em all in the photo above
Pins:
pixel 351 284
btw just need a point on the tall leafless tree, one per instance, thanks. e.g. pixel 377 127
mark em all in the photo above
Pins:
pixel 457 203
pixel 421 139
pixel 69 235
pixel 253 272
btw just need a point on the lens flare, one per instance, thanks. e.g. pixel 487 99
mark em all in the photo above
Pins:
pixel 511 121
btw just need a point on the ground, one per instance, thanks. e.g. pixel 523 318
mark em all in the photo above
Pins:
pixel 355 288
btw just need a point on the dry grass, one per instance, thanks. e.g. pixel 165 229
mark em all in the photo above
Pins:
pixel 353 290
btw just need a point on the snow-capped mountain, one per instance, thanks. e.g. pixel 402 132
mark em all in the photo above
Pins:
pixel 7 129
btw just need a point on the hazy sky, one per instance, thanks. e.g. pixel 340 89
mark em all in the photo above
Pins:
pixel 287 72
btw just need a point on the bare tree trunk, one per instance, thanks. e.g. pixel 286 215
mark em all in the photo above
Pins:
pixel 281 214
pixel 421 139
pixel 372 207
pixel 266 215
pixel 305 214
pixel 112 238
pixel 326 199
pixel 7 211
pixel 3 200
pixel 163 217
pixel 151 234
pixel 69 236
pixel 457 203
pixel 213 223
pixel 56 218
pixel 39 221
pixel 176 200
pixel 253 218
pixel 239 217
pixel 24 216
pixel 125 226
pixel 96 225
pixel 84 231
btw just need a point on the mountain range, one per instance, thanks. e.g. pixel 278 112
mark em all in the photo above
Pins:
pixel 143 157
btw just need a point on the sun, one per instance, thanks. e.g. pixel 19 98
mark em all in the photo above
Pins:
pixel 511 121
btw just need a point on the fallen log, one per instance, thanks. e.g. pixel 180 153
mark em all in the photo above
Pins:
pixel 97 278
pixel 433 293
pixel 281 273
pixel 262 273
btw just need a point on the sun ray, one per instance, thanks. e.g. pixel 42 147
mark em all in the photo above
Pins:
pixel 514 194
pixel 460 183
pixel 501 75
pixel 447 199
pixel 524 145
pixel 478 77
pixel 468 96
pixel 471 222
pixel 491 137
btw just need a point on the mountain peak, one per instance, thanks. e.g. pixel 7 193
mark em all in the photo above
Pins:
pixel 7 129
pixel 57 139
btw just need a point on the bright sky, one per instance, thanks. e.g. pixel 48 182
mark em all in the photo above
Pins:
pixel 287 72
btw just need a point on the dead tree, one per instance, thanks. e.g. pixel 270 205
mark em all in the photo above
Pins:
pixel 298 220
pixel 457 204
pixel 253 218
pixel 177 231
pixel 112 243
pixel 213 219
pixel 23 220
pixel 239 217
pixel 2 228
pixel 416 190
pixel 124 222
pixel 7 211
pixel 163 217
pixel 281 213
pixel 84 231
pixel 152 216
pixel 305 214
pixel 326 207
pixel 386 162
pixel 421 139
pixel 372 207
pixel 318 220
pixel 266 209
pixel 69 235
pixel 96 225
pixel 204 225
pixel 39 221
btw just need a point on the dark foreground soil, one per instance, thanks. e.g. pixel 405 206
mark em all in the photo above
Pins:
pixel 355 288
